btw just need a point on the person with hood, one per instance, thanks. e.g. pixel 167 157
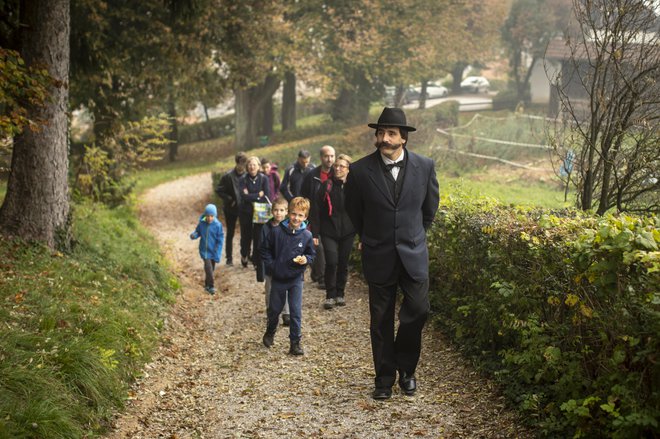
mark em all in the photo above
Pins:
pixel 270 170
pixel 294 175
pixel 211 237
pixel 286 252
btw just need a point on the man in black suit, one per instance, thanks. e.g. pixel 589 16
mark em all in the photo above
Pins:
pixel 391 198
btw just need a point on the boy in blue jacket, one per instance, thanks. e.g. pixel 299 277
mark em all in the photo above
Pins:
pixel 209 229
pixel 285 254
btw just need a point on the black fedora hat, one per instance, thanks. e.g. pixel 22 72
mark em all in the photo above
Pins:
pixel 392 117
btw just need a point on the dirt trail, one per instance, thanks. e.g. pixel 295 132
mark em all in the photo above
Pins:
pixel 212 377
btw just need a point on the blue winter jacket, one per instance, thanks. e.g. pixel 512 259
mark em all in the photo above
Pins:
pixel 281 246
pixel 212 237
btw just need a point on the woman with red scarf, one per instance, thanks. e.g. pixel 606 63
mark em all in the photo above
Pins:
pixel 334 227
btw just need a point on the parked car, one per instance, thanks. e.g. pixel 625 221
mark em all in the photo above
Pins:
pixel 475 84
pixel 409 95
pixel 433 91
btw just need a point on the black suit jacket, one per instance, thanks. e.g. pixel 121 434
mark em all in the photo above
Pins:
pixel 387 228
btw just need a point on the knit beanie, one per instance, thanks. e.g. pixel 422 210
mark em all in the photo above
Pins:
pixel 210 209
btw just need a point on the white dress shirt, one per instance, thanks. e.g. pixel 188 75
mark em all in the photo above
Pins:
pixel 395 170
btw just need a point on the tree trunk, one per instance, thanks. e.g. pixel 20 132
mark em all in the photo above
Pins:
pixel 246 132
pixel 36 206
pixel 249 105
pixel 106 119
pixel 206 112
pixel 289 102
pixel 267 118
pixel 457 77
pixel 174 131
pixel 422 96
pixel 352 104
pixel 586 197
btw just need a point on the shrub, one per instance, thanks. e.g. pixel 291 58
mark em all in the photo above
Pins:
pixel 506 100
pixel 206 130
pixel 562 307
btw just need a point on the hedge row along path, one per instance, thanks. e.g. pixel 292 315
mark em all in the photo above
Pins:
pixel 213 378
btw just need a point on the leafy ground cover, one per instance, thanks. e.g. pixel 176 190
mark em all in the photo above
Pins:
pixel 77 328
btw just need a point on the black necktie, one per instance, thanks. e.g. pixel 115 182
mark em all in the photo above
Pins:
pixel 393 165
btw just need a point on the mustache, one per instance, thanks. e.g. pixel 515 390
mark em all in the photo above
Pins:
pixel 383 144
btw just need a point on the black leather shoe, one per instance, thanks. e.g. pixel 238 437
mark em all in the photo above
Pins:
pixel 381 393
pixel 408 383
pixel 268 339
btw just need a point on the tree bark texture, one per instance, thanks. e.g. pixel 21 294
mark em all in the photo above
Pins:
pixel 352 103
pixel 36 206
pixel 267 118
pixel 249 106
pixel 289 102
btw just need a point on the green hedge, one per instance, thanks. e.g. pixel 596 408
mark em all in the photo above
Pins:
pixel 563 308
pixel 206 130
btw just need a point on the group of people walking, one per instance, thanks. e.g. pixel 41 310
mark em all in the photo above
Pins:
pixel 388 198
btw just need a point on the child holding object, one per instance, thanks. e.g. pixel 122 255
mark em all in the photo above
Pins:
pixel 279 211
pixel 286 253
pixel 211 237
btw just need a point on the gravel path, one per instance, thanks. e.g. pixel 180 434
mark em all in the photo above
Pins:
pixel 212 377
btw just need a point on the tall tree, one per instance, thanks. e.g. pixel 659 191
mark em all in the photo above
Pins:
pixel 289 101
pixel 36 206
pixel 528 29
pixel 477 33
pixel 609 105
pixel 252 49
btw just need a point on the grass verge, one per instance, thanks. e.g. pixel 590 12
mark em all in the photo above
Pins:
pixel 77 328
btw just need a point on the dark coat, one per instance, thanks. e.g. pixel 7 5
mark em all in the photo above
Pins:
pixel 282 245
pixel 253 186
pixel 339 224
pixel 293 179
pixel 228 189
pixel 387 228
pixel 273 183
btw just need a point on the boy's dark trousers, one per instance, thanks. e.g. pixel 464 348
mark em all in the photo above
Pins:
pixel 256 254
pixel 209 267
pixel 337 253
pixel 278 295
pixel 230 219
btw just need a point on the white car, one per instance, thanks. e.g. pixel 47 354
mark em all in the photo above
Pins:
pixel 433 91
pixel 475 84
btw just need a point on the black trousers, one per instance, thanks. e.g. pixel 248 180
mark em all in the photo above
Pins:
pixel 337 252
pixel 209 267
pixel 401 353
pixel 230 220
pixel 245 220
pixel 318 266
pixel 256 254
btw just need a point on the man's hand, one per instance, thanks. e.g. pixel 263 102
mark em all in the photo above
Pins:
pixel 300 260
